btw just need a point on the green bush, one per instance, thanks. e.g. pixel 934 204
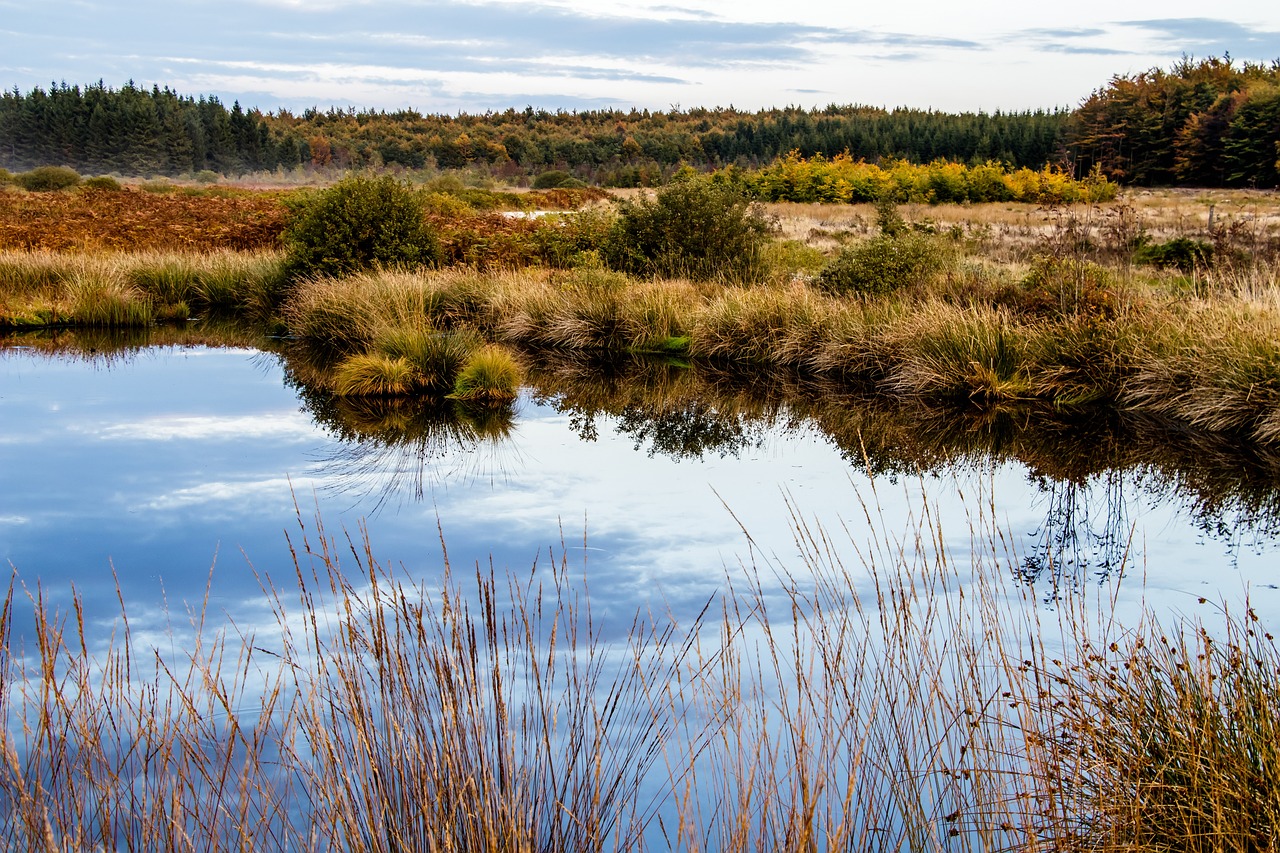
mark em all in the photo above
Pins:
pixel 695 227
pixel 554 179
pixel 1183 253
pixel 6 177
pixel 885 263
pixel 359 223
pixel 207 176
pixel 102 182
pixel 47 178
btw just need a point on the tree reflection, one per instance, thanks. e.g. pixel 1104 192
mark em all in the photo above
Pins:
pixel 1085 536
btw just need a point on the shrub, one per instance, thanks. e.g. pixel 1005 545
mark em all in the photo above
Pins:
pixel 207 176
pixel 102 182
pixel 47 178
pixel 696 227
pixel 359 223
pixel 1064 287
pixel 554 179
pixel 884 264
pixel 1183 253
pixel 6 177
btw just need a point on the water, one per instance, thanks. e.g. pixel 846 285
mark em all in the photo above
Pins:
pixel 169 470
pixel 176 478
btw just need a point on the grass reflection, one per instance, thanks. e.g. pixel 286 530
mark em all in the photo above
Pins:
pixel 399 448
pixel 1087 462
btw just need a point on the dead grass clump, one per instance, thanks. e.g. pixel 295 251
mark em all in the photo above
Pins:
pixel 1214 366
pixel 762 325
pixel 1164 739
pixel 960 353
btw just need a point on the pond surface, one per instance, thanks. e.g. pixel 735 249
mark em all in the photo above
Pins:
pixel 168 468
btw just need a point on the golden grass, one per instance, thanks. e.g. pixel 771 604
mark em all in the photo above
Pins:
pixel 490 375
pixel 882 694
pixel 49 289
pixel 372 375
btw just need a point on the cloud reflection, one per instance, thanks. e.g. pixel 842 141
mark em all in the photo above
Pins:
pixel 293 426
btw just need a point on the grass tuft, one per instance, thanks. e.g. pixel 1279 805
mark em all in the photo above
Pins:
pixel 491 374
pixel 373 375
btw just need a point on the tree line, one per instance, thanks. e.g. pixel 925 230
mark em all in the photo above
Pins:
pixel 135 131
pixel 1211 122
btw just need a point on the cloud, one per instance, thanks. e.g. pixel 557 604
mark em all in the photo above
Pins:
pixel 1211 36
pixel 293 425
pixel 1084 50
pixel 236 495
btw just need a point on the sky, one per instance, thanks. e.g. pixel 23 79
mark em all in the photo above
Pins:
pixel 481 55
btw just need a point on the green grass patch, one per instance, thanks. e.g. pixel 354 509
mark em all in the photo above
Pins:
pixel 491 375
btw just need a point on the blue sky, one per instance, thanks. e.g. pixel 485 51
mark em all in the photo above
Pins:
pixel 567 54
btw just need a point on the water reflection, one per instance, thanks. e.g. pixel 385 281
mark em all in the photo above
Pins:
pixel 1087 535
pixel 394 449
pixel 1086 470
pixel 1080 459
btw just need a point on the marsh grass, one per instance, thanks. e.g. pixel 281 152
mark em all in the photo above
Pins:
pixel 437 357
pixel 137 289
pixel 1065 332
pixel 490 375
pixel 373 375
pixel 1218 368
pixel 883 694
pixel 1167 737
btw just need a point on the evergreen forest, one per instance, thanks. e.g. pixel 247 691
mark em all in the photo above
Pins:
pixel 1208 122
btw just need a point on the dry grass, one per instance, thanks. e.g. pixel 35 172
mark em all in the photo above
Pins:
pixel 135 220
pixel 42 288
pixel 884 694
pixel 1067 332
pixel 490 375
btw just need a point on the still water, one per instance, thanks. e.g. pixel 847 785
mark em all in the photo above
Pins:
pixel 169 470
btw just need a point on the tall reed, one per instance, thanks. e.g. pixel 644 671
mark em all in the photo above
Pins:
pixel 890 693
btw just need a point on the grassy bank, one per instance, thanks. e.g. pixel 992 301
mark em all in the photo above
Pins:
pixel 1167 306
pixel 1211 362
pixel 899 699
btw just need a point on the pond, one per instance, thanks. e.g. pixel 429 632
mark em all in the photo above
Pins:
pixel 177 479
pixel 147 466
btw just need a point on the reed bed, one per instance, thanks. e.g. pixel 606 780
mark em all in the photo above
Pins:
pixel 40 288
pixel 884 693
pixel 1068 334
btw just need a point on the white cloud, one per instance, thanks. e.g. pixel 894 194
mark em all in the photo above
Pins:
pixel 294 426
pixel 276 490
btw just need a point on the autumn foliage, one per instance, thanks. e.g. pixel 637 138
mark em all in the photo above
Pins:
pixel 137 220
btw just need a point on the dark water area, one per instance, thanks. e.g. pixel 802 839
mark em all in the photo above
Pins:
pixel 168 468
